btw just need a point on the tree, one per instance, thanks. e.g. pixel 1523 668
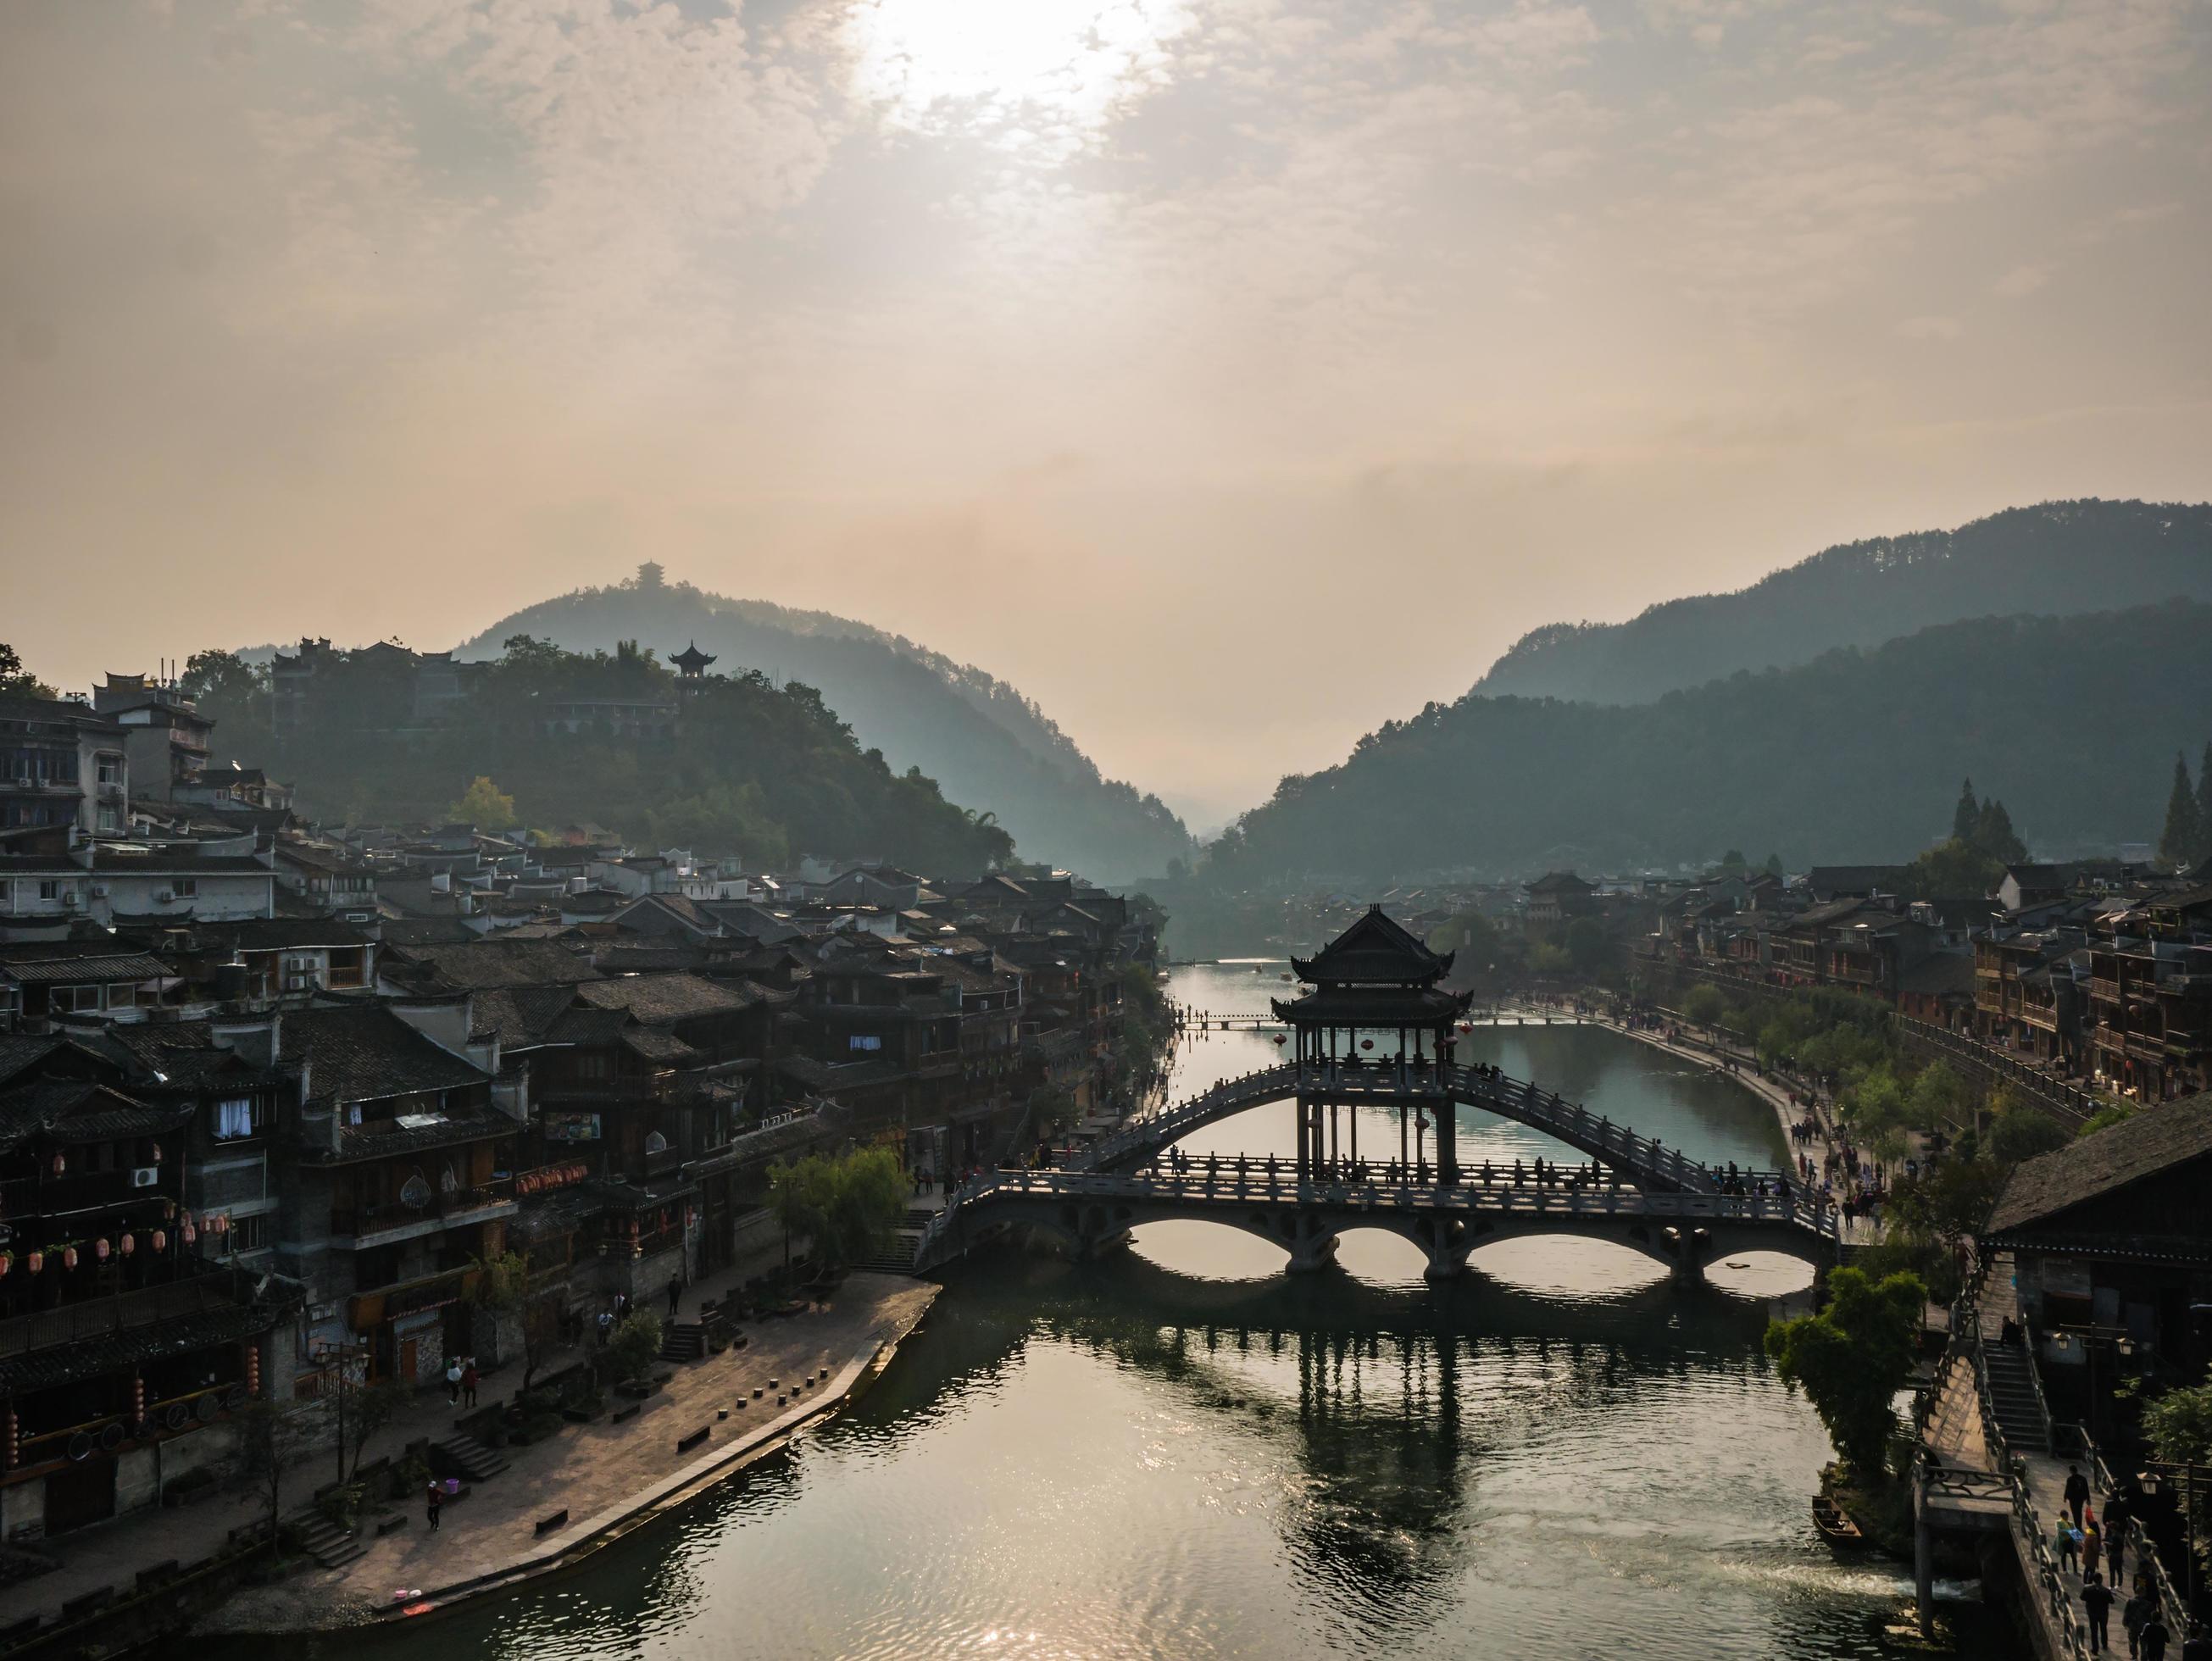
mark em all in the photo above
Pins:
pixel 847 1204
pixel 502 1290
pixel 1704 1006
pixel 634 1345
pixel 2019 1132
pixel 1587 946
pixel 273 1435
pixel 1733 861
pixel 367 1407
pixel 1966 816
pixel 1994 835
pixel 1934 1095
pixel 1773 866
pixel 1952 870
pixel 1852 1358
pixel 484 806
pixel 2177 843
pixel 2205 804
pixel 15 681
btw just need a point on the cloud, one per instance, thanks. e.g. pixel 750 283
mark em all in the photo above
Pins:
pixel 1931 328
pixel 2023 280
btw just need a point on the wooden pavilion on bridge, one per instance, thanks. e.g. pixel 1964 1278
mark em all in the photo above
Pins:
pixel 1376 978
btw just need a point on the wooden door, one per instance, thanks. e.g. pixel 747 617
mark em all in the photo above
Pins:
pixel 406 1373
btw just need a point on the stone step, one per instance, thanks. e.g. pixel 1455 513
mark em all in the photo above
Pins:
pixel 469 1457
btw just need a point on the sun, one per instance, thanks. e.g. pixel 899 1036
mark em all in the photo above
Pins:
pixel 1025 73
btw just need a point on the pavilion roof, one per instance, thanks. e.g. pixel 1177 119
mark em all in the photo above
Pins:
pixel 1375 951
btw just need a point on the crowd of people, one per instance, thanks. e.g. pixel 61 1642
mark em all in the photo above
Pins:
pixel 2095 1549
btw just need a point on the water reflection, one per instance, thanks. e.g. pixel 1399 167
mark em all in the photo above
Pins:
pixel 1559 1455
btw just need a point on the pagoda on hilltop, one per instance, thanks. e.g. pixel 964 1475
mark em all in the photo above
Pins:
pixel 1375 1027
pixel 691 663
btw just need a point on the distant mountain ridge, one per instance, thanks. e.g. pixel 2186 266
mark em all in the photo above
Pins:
pixel 2072 722
pixel 988 747
pixel 2059 558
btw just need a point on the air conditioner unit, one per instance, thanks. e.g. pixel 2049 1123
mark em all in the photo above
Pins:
pixel 99 891
pixel 165 895
pixel 145 1176
pixel 72 899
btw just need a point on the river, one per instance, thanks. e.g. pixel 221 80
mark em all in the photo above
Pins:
pixel 1185 1452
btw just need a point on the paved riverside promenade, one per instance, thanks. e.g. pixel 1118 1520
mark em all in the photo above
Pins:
pixel 604 1475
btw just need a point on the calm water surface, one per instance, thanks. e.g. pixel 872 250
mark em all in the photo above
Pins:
pixel 1185 1452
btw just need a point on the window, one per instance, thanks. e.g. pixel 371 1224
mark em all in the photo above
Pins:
pixel 246 1234
pixel 50 890
pixel 111 769
pixel 65 1000
pixel 185 887
pixel 864 1041
pixel 233 1117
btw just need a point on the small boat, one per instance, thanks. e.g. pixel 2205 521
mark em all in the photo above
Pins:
pixel 1836 1526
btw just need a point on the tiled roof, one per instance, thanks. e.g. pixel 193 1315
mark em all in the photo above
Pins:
pixel 521 1016
pixel 482 966
pixel 367 1053
pixel 118 966
pixel 75 1110
pixel 667 997
pixel 2150 1141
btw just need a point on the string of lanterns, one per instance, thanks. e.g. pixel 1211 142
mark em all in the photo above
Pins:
pixel 125 1244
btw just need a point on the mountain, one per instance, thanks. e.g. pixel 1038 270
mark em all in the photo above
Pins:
pixel 2072 721
pixel 2056 560
pixel 988 747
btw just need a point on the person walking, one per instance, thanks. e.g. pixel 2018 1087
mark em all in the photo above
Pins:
pixel 2064 1542
pixel 675 1293
pixel 469 1383
pixel 2092 1550
pixel 2097 1600
pixel 2133 1613
pixel 437 1502
pixel 2151 1641
pixel 2077 1491
pixel 454 1379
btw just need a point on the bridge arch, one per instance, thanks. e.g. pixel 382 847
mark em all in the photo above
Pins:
pixel 1641 1161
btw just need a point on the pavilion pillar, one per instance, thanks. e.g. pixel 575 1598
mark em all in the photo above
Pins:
pixel 1446 1121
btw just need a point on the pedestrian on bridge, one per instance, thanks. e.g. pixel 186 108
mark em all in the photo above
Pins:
pixel 2066 1540
pixel 2077 1492
pixel 2097 1600
pixel 2151 1640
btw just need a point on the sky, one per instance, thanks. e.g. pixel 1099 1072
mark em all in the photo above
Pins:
pixel 1230 375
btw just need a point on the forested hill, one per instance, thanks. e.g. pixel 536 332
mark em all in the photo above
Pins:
pixel 2058 559
pixel 2073 722
pixel 987 746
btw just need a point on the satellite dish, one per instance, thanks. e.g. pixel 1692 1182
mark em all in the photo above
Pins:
pixel 656 1143
pixel 414 1193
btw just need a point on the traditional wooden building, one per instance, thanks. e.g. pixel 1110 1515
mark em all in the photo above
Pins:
pixel 1374 988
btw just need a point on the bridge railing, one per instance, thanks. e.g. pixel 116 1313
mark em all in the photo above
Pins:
pixel 1511 1098
pixel 1503 1199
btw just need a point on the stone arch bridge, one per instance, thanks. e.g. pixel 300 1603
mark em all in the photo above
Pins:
pixel 1090 1213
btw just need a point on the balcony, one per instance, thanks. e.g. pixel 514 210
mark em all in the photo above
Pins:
pixel 204 1288
pixel 387 1221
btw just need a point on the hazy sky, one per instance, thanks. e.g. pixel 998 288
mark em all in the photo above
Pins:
pixel 1229 375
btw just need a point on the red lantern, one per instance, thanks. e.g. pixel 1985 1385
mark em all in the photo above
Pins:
pixel 1280 1040
pixel 34 1261
pixel 128 1244
pixel 5 1261
pixel 68 1256
pixel 222 1224
pixel 190 1233
pixel 1367 1043
pixel 160 1240
pixel 157 1153
pixel 60 1165
pixel 99 1247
